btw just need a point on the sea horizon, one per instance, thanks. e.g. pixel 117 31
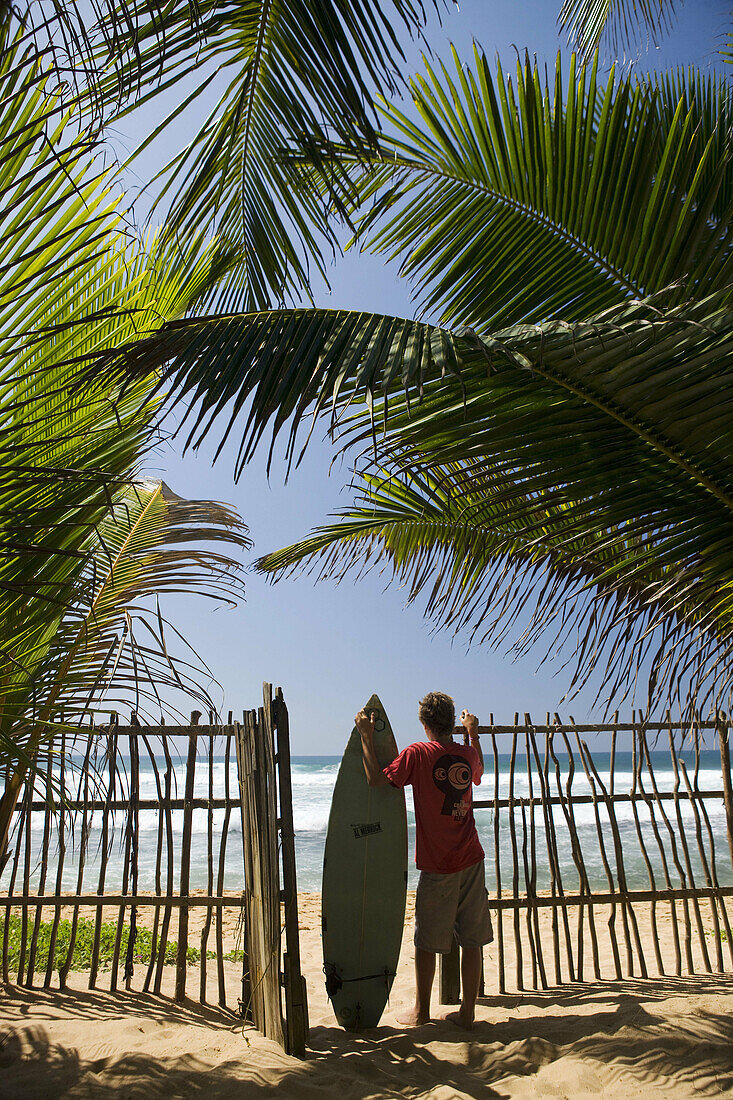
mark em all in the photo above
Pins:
pixel 313 778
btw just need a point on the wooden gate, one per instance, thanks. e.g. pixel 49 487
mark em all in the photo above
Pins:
pixel 113 829
pixel 263 754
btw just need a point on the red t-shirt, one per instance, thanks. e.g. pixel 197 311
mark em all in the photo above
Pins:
pixel 441 776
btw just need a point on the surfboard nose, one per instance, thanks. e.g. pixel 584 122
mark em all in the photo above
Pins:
pixel 374 703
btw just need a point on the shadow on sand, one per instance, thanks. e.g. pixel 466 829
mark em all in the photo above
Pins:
pixel 634 1035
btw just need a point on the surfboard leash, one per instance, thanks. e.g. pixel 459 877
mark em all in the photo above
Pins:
pixel 334 981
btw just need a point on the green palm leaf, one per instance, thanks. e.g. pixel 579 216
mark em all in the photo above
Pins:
pixel 72 286
pixel 518 199
pixel 109 646
pixel 148 544
pixel 622 23
pixel 297 73
pixel 484 555
pixel 608 440
pixel 282 367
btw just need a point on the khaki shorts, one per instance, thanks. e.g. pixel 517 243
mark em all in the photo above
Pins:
pixel 448 905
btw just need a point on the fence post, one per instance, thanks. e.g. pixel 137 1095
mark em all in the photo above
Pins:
pixel 255 758
pixel 181 956
pixel 722 729
pixel 296 1000
pixel 450 976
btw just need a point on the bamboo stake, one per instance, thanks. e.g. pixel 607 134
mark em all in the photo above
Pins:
pixel 515 859
pixel 604 857
pixel 628 916
pixel 686 854
pixel 295 988
pixel 550 752
pixel 182 952
pixel 706 869
pixel 134 820
pixel 556 855
pixel 125 891
pixel 556 887
pixel 636 772
pixel 722 730
pixel 197 901
pixel 25 802
pixel 713 867
pixel 42 874
pixel 170 863
pixel 262 955
pixel 675 858
pixel 253 993
pixel 59 867
pixel 85 827
pixel 26 884
pixel 639 733
pixel 497 866
pixel 209 873
pixel 220 876
pixel 271 892
pixel 104 850
pixel 530 875
pixel 154 940
pixel 176 901
pixel 532 909
pixel 243 763
pixel 577 853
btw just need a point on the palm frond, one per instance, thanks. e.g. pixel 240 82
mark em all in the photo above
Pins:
pixel 282 367
pixel 73 281
pixel 611 434
pixel 109 646
pixel 620 25
pixel 501 566
pixel 85 44
pixel 517 198
pixel 726 50
pixel 298 73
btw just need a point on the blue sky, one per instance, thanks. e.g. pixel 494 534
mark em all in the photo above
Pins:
pixel 330 647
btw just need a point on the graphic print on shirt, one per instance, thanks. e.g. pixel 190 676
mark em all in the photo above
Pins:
pixel 452 776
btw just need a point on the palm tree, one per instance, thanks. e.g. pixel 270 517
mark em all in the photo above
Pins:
pixel 620 25
pixel 582 464
pixel 84 542
pixel 74 292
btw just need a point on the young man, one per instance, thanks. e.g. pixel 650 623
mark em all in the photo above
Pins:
pixel 451 892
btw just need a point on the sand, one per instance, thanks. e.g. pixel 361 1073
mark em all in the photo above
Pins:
pixel 660 1036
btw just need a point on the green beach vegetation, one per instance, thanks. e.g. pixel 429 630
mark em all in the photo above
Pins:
pixel 84 941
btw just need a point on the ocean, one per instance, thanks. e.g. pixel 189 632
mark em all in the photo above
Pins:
pixel 313 779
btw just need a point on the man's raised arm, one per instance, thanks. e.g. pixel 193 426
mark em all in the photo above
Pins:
pixel 470 726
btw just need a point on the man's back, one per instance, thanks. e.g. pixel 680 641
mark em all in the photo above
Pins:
pixel 441 775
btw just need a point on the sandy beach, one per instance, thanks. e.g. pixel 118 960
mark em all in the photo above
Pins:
pixel 659 1036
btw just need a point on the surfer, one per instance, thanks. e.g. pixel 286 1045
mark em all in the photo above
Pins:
pixel 451 892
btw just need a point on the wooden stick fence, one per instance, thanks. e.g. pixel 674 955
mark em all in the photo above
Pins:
pixel 636 851
pixel 116 802
pixel 588 860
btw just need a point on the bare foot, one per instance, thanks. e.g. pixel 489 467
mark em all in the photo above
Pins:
pixel 460 1019
pixel 413 1019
